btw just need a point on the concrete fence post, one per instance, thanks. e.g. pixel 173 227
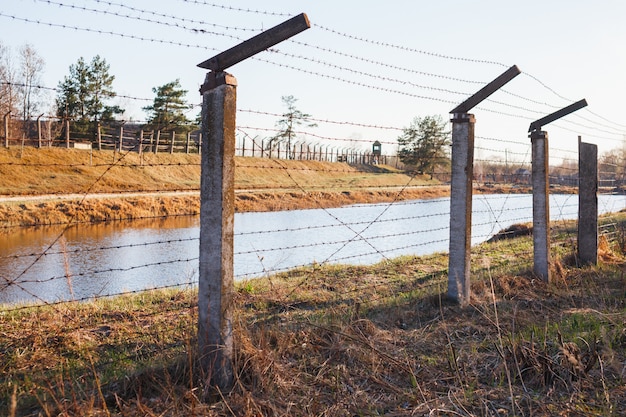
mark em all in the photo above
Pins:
pixel 461 207
pixel 156 144
pixel 217 202
pixel 541 205
pixel 172 143
pixel 217 210
pixel 587 203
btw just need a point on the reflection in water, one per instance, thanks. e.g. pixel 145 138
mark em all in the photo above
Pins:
pixel 83 261
pixel 53 263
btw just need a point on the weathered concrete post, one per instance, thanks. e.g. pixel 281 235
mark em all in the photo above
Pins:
pixel 541 205
pixel 587 203
pixel 541 189
pixel 217 202
pixel 461 188
pixel 217 209
pixel 461 206
pixel 172 143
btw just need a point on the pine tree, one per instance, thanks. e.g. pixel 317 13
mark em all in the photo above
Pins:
pixel 84 92
pixel 168 109
pixel 424 144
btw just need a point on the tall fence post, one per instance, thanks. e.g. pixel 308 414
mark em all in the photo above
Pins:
pixel 541 205
pixel 187 143
pixel 461 206
pixel 99 136
pixel 156 142
pixel 461 188
pixel 217 202
pixel 217 208
pixel 587 203
pixel 541 189
pixel 172 144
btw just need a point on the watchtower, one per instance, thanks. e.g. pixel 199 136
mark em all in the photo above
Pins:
pixel 376 152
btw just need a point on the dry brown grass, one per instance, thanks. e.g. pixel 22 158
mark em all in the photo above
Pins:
pixel 261 184
pixel 338 341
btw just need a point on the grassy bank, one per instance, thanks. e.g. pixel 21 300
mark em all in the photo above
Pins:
pixel 340 341
pixel 169 185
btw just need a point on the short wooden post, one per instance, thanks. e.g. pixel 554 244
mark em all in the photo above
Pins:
pixel 49 129
pixel 587 203
pixel 39 133
pixel 541 205
pixel 7 118
pixel 140 150
pixel 121 138
pixel 187 143
pixel 461 207
pixel 67 133
pixel 217 210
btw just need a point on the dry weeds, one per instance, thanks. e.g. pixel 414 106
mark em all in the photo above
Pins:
pixel 261 184
pixel 337 341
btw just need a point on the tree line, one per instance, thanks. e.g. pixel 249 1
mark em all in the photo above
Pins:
pixel 84 97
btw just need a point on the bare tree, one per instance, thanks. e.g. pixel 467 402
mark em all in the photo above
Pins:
pixel 31 68
pixel 8 81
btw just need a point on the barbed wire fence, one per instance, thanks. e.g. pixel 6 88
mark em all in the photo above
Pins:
pixel 52 277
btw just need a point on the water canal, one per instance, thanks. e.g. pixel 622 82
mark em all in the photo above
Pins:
pixel 52 264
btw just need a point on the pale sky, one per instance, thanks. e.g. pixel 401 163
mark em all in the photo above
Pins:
pixel 363 62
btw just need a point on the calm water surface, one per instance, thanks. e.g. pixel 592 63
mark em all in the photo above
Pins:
pixel 47 264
